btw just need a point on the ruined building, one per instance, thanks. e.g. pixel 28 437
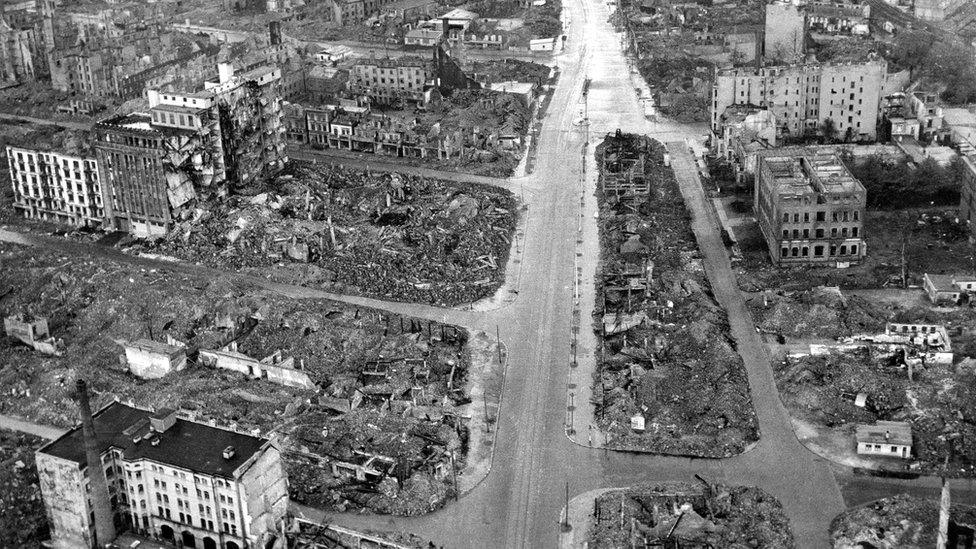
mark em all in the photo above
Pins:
pixel 804 97
pixel 205 142
pixel 810 209
pixel 387 81
pixel 22 56
pixel 56 187
pixel 186 482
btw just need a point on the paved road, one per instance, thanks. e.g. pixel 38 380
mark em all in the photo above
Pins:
pixel 381 164
pixel 36 429
pixel 519 504
pixel 83 126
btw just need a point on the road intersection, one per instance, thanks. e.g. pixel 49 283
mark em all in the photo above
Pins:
pixel 519 503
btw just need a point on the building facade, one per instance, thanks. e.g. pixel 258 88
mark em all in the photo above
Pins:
pixel 183 481
pixel 191 144
pixel 56 187
pixel 387 81
pixel 810 210
pixel 804 97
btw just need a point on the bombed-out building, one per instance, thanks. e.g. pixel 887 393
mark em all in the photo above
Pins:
pixel 191 144
pixel 55 187
pixel 186 482
pixel 803 97
pixel 810 209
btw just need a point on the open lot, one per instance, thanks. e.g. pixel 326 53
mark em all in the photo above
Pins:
pixel 389 390
pixel 388 235
pixel 689 515
pixel 669 379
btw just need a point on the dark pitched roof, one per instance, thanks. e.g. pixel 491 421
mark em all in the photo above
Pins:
pixel 187 444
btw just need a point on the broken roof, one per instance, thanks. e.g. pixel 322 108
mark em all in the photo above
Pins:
pixel 811 172
pixel 187 444
pixel 156 347
pixel 885 432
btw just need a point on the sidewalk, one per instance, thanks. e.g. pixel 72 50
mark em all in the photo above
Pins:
pixel 580 518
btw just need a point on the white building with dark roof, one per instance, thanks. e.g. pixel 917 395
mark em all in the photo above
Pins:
pixel 186 482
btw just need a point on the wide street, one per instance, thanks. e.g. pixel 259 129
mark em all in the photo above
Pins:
pixel 519 503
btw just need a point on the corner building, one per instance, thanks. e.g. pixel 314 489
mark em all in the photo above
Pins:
pixel 810 210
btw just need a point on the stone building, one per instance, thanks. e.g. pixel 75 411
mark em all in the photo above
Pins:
pixel 810 210
pixel 803 97
pixel 183 481
pixel 386 81
pixel 56 187
pixel 936 10
pixel 192 143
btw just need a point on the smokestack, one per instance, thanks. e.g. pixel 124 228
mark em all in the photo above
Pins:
pixel 104 526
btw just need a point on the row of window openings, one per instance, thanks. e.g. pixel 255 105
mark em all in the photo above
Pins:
pixel 188 519
pixel 822 216
pixel 879 447
pixel 819 233
pixel 818 251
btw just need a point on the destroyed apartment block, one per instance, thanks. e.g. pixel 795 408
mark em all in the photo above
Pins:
pixel 34 333
pixel 273 368
pixel 921 344
pixel 624 168
pixel 148 359
pixel 153 166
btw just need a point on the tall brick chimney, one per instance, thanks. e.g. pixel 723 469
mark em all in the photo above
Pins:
pixel 104 525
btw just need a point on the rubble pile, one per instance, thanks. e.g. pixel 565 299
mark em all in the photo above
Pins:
pixel 669 379
pixel 898 522
pixel 820 312
pixel 23 523
pixel 694 516
pixel 382 384
pixel 939 402
pixel 387 235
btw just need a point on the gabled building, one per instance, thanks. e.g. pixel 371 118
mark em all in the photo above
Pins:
pixel 168 477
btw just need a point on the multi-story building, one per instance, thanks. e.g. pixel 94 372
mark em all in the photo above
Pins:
pixel 191 143
pixel 130 156
pixel 804 97
pixel 927 107
pixel 936 10
pixel 967 195
pixel 810 209
pixel 56 187
pixel 386 81
pixel 183 481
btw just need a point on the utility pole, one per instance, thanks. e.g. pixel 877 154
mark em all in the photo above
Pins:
pixel 498 343
pixel 566 527
pixel 484 398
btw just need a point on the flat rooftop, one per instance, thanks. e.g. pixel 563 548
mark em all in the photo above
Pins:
pixel 187 444
pixel 814 172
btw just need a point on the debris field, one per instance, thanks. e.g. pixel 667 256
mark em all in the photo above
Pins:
pixel 23 524
pixel 693 516
pixel 355 385
pixel 836 354
pixel 387 235
pixel 899 522
pixel 669 379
